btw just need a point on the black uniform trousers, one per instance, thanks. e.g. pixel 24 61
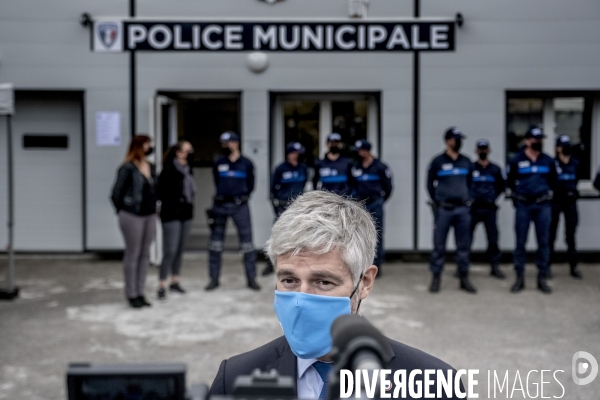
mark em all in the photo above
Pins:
pixel 487 214
pixel 240 213
pixel 460 218
pixel 569 209
pixel 540 214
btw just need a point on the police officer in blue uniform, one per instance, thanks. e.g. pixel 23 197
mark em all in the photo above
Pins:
pixel 564 200
pixel 487 185
pixel 449 185
pixel 289 178
pixel 372 183
pixel 532 179
pixel 332 173
pixel 287 182
pixel 234 180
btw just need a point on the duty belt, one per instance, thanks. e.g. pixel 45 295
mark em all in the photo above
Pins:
pixel 447 204
pixel 231 199
pixel 533 199
pixel 482 204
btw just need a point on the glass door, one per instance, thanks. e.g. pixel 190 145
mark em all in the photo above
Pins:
pixel 309 119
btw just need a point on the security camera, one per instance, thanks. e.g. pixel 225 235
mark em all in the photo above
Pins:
pixel 460 20
pixel 85 19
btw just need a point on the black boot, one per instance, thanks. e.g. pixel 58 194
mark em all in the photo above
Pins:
pixel 465 284
pixel 144 302
pixel 549 274
pixel 135 302
pixel 496 272
pixel 253 285
pixel 214 283
pixel 542 284
pixel 575 273
pixel 435 283
pixel 268 269
pixel 519 284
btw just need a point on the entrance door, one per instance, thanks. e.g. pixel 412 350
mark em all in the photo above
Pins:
pixel 199 118
pixel 309 119
pixel 48 171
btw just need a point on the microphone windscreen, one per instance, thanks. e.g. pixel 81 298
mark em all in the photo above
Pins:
pixel 347 327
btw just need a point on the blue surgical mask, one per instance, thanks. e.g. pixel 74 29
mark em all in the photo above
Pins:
pixel 306 320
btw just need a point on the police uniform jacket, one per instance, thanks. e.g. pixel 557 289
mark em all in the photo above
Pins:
pixel 487 184
pixel 288 181
pixel 233 179
pixel 568 177
pixel 531 180
pixel 449 180
pixel 334 175
pixel 373 182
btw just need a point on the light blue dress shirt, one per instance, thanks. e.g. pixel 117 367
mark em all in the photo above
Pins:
pixel 309 381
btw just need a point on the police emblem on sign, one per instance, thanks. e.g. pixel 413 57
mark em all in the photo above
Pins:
pixel 108 33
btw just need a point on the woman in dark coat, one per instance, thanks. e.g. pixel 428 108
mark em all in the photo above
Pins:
pixel 134 198
pixel 176 190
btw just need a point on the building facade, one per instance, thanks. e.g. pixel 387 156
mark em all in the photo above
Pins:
pixel 515 64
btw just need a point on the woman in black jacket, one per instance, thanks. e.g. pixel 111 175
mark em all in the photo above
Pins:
pixel 134 197
pixel 176 190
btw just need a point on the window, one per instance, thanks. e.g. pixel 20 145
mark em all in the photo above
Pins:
pixel 301 124
pixel 558 114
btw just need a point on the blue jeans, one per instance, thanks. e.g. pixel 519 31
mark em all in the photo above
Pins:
pixel 541 215
pixel 460 218
pixel 376 210
pixel 240 213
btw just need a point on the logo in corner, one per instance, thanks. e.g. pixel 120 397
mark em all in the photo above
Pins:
pixel 108 33
pixel 580 368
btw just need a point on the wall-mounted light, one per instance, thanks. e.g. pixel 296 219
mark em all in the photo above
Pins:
pixel 459 20
pixel 257 62
pixel 85 19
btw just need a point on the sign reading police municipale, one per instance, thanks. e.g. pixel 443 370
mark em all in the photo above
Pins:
pixel 325 36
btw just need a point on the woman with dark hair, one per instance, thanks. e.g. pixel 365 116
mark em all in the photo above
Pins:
pixel 176 189
pixel 134 197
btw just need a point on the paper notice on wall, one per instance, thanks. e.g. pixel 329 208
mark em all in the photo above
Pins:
pixel 108 128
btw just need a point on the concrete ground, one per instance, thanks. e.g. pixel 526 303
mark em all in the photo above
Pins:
pixel 72 309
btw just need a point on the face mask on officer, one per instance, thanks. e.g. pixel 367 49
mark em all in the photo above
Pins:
pixel 457 144
pixel 567 150
pixel 306 320
pixel 335 149
pixel 483 155
pixel 226 151
pixel 536 146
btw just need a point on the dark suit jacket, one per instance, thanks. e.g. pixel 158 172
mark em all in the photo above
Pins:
pixel 278 355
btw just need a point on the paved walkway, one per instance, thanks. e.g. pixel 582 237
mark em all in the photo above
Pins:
pixel 73 309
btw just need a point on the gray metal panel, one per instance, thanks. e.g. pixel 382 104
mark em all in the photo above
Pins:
pixel 48 182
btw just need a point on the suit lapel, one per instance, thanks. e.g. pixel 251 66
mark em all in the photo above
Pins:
pixel 286 364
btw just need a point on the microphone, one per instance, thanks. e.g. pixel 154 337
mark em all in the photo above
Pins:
pixel 357 345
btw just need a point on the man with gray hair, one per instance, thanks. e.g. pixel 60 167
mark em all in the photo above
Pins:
pixel 322 248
